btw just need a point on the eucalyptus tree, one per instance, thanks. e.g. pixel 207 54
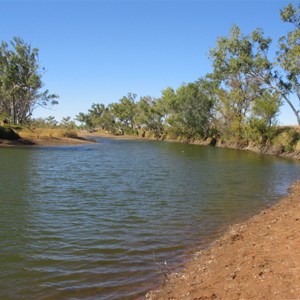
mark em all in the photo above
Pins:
pixel 21 81
pixel 107 121
pixel 124 113
pixel 261 123
pixel 188 111
pixel 85 120
pixel 289 58
pixel 243 72
pixel 148 117
pixel 193 109
pixel 67 123
pixel 51 122
pixel 165 108
pixel 97 117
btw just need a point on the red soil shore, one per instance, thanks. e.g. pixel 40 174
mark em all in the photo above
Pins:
pixel 258 259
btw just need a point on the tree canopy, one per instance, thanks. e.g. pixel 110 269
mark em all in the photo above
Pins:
pixel 21 82
pixel 237 102
pixel 288 57
pixel 242 72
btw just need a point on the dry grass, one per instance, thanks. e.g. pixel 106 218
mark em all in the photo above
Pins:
pixel 26 133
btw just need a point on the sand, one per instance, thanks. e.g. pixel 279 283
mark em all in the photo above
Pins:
pixel 258 259
pixel 45 142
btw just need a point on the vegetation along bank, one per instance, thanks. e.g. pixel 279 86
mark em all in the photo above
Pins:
pixel 236 105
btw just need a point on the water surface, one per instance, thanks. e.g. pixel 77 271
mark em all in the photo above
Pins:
pixel 98 221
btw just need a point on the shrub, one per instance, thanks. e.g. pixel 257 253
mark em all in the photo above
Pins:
pixel 70 134
pixel 286 140
pixel 8 133
pixel 297 146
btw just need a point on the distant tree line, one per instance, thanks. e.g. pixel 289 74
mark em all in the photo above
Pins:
pixel 239 101
pixel 51 123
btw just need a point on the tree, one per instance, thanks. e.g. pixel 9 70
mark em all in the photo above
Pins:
pixel 98 116
pixel 85 120
pixel 124 112
pixel 243 72
pixel 261 125
pixel 67 123
pixel 95 113
pixel 288 57
pixel 165 107
pixel 107 120
pixel 21 82
pixel 195 105
pixel 51 122
pixel 187 112
pixel 190 112
pixel 147 116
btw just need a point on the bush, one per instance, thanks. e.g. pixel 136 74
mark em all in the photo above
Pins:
pixel 70 134
pixel 258 132
pixel 286 140
pixel 8 133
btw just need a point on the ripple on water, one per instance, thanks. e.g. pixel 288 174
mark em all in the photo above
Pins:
pixel 99 222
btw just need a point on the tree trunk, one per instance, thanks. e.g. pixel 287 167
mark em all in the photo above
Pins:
pixel 295 111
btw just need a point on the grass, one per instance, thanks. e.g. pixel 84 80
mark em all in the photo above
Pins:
pixel 27 133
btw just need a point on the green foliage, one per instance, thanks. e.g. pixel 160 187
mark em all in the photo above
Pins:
pixel 48 122
pixel 258 133
pixel 98 117
pixel 286 140
pixel 3 118
pixel 297 146
pixel 246 106
pixel 288 57
pixel 148 117
pixel 67 123
pixel 124 113
pixel 194 109
pixel 21 82
pixel 237 103
pixel 261 126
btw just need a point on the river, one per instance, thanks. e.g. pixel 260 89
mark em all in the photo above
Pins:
pixel 107 220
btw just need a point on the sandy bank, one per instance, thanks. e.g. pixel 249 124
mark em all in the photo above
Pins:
pixel 45 141
pixel 258 259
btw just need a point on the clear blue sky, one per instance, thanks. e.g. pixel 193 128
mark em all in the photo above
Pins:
pixel 98 51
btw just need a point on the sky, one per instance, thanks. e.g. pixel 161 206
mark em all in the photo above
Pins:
pixel 99 51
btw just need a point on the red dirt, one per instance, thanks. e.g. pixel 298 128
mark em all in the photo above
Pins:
pixel 258 259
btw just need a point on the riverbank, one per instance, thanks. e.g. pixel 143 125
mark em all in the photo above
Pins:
pixel 57 137
pixel 258 259
pixel 265 150
pixel 45 142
